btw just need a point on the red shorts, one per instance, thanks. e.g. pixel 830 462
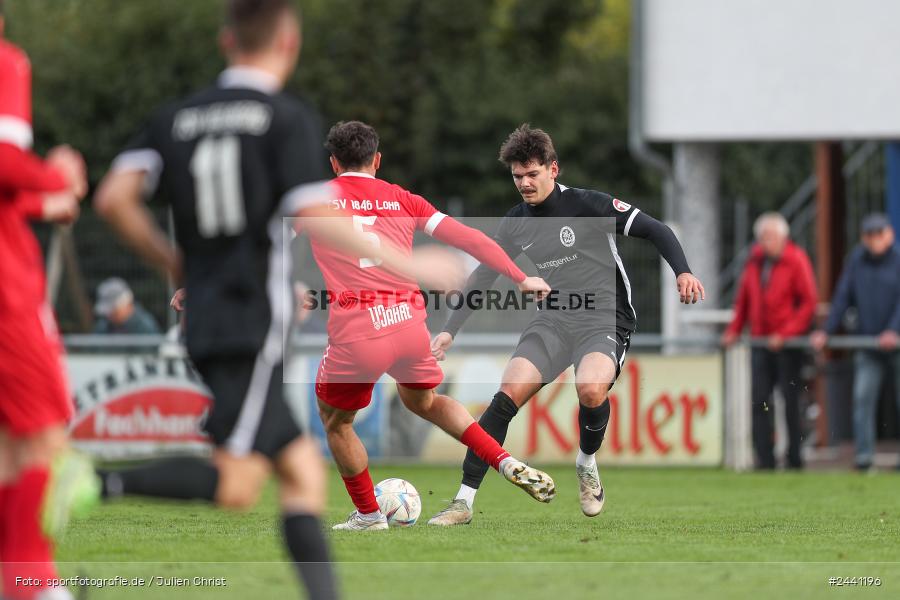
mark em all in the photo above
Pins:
pixel 34 392
pixel 348 372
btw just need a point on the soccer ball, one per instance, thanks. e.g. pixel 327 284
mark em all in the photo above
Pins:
pixel 399 501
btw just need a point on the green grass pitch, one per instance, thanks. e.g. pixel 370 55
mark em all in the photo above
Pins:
pixel 676 533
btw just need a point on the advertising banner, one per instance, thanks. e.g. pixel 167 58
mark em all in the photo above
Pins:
pixel 140 405
pixel 666 410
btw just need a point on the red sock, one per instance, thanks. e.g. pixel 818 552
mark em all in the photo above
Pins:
pixel 26 550
pixel 483 445
pixel 362 492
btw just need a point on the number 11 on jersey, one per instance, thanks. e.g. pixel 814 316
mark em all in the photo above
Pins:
pixel 216 167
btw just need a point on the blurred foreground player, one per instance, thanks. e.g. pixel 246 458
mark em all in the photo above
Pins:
pixel 233 160
pixel 35 405
pixel 377 325
pixel 562 230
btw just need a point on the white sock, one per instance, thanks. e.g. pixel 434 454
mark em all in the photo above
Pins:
pixel 372 516
pixel 468 494
pixel 505 462
pixel 585 460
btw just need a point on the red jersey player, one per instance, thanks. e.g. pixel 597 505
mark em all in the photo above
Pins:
pixel 34 402
pixel 377 324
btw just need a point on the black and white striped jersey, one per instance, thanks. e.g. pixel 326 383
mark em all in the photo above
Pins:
pixel 570 239
pixel 231 161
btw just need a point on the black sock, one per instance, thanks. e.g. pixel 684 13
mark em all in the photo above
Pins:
pixel 184 478
pixel 592 425
pixel 309 551
pixel 495 421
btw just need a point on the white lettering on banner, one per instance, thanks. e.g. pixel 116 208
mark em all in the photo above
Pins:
pixel 665 410
pixel 146 423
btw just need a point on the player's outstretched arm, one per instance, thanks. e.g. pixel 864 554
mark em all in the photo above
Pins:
pixel 690 290
pixel 487 252
pixel 484 249
pixel 434 267
pixel 442 341
pixel 480 279
pixel 119 200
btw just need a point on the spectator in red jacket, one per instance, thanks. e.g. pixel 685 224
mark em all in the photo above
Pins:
pixel 777 296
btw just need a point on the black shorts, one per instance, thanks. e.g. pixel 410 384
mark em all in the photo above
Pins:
pixel 249 412
pixel 552 342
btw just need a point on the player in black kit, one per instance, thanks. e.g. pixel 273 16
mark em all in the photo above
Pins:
pixel 233 161
pixel 569 235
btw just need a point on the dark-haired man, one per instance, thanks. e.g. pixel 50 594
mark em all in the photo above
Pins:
pixel 378 327
pixel 569 235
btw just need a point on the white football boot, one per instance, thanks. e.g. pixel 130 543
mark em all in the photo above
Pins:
pixel 357 522
pixel 536 483
pixel 456 513
pixel 591 490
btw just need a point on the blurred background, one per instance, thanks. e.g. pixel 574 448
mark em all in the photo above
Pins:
pixel 443 83
pixel 702 116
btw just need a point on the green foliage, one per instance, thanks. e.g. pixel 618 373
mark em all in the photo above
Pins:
pixel 101 66
pixel 443 82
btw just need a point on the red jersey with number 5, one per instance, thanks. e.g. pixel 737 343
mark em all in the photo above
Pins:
pixel 365 300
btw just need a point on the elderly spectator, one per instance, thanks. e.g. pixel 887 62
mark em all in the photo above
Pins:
pixel 117 311
pixel 777 296
pixel 870 282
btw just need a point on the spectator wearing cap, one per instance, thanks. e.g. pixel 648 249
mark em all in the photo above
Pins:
pixel 870 282
pixel 117 312
pixel 777 297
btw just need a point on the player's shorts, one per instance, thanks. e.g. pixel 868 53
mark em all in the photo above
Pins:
pixel 34 390
pixel 249 411
pixel 348 372
pixel 553 342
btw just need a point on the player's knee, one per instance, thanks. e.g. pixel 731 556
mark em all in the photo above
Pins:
pixel 241 480
pixel 334 421
pixel 418 402
pixel 302 477
pixel 236 492
pixel 592 394
pixel 237 498
pixel 515 392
